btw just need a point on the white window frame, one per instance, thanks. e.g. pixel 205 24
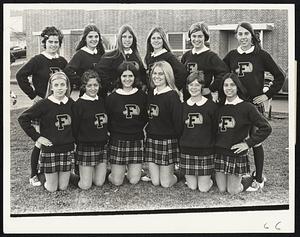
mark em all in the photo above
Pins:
pixel 184 39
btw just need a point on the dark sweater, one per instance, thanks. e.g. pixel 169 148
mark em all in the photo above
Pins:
pixel 55 124
pixel 250 69
pixel 90 121
pixel 80 62
pixel 165 116
pixel 108 65
pixel 199 129
pixel 235 122
pixel 180 73
pixel 127 115
pixel 40 68
pixel 209 62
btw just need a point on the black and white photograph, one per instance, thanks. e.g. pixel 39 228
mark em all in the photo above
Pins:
pixel 149 118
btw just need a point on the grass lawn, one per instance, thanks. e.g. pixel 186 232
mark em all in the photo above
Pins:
pixel 26 199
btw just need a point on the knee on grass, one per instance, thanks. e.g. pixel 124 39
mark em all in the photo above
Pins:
pixel 84 185
pixel 115 181
pixel 134 179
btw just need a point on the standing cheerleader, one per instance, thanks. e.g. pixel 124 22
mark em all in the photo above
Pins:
pixel 90 132
pixel 236 117
pixel 197 139
pixel 201 58
pixel 164 126
pixel 40 68
pixel 127 113
pixel 55 136
pixel 126 50
pixel 88 52
pixel 250 62
pixel 158 49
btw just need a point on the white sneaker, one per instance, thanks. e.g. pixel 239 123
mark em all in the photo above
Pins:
pixel 34 181
pixel 256 186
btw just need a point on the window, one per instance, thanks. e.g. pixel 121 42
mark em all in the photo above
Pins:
pixel 179 43
pixel 109 41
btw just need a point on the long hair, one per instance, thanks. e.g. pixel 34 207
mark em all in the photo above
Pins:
pixel 51 31
pixel 58 75
pixel 86 31
pixel 163 35
pixel 241 90
pixel 87 75
pixel 169 75
pixel 255 41
pixel 119 45
pixel 130 67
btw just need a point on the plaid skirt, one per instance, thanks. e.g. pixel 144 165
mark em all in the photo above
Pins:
pixel 51 162
pixel 238 165
pixel 90 155
pixel 162 152
pixel 126 152
pixel 196 165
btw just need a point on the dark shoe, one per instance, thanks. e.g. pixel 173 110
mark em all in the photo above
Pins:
pixel 247 182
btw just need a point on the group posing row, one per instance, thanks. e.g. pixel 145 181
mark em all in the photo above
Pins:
pixel 248 61
pixel 199 127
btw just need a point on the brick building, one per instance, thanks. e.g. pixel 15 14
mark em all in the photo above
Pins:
pixel 271 25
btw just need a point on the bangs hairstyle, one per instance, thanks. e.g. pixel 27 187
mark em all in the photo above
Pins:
pixel 255 40
pixel 127 66
pixel 87 29
pixel 55 76
pixel 241 90
pixel 169 75
pixel 199 26
pixel 87 75
pixel 51 31
pixel 163 35
pixel 196 76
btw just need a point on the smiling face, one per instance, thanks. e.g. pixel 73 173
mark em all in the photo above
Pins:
pixel 195 88
pixel 52 44
pixel 92 87
pixel 92 40
pixel 230 89
pixel 59 88
pixel 244 38
pixel 127 79
pixel 197 39
pixel 156 41
pixel 127 40
pixel 158 77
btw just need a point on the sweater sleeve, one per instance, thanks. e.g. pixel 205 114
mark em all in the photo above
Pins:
pixel 71 69
pixel 30 114
pixel 105 69
pixel 180 73
pixel 75 119
pixel 219 69
pixel 176 108
pixel 259 121
pixel 22 77
pixel 276 71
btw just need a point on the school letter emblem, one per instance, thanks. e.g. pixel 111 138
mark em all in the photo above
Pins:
pixel 62 120
pixel 244 67
pixel 153 111
pixel 131 109
pixel 193 118
pixel 192 67
pixel 226 122
pixel 101 119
